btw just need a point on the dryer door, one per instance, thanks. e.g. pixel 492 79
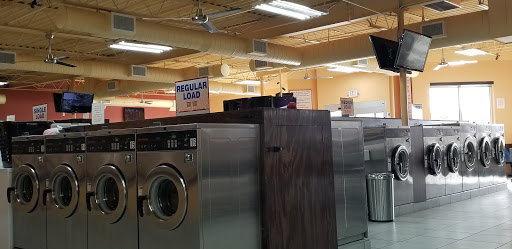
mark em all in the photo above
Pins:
pixel 470 154
pixel 167 197
pixel 434 159
pixel 499 151
pixel 485 152
pixel 64 189
pixel 110 193
pixel 453 158
pixel 400 163
pixel 26 189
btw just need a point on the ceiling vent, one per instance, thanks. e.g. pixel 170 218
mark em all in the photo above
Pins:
pixel 139 71
pixel 113 86
pixel 434 30
pixel 259 47
pixel 444 5
pixel 250 89
pixel 7 58
pixel 260 65
pixel 123 23
pixel 106 102
pixel 203 72
pixel 361 63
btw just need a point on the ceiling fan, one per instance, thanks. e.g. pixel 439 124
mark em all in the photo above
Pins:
pixel 443 62
pixel 204 19
pixel 306 77
pixel 452 63
pixel 51 59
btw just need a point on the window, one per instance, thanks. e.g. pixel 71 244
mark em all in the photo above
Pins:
pixel 461 102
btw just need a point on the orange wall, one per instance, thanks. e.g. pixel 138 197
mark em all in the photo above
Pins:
pixel 498 71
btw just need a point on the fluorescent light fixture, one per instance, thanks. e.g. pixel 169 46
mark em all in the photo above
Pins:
pixel 458 63
pixel 481 4
pixel 149 48
pixel 169 91
pixel 345 69
pixel 471 52
pixel 4 83
pixel 249 82
pixel 289 9
pixel 440 66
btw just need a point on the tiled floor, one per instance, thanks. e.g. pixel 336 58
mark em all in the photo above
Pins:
pixel 481 223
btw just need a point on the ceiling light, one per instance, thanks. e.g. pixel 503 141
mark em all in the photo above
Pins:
pixel 249 82
pixel 4 83
pixel 149 48
pixel 289 9
pixel 458 63
pixel 471 52
pixel 441 65
pixel 345 69
pixel 483 5
pixel 169 91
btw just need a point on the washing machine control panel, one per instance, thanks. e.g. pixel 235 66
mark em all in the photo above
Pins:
pixel 169 140
pixel 111 143
pixel 65 145
pixel 28 147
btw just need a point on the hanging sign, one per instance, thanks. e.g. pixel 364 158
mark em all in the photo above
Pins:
pixel 98 113
pixel 347 107
pixel 192 97
pixel 40 113
pixel 304 99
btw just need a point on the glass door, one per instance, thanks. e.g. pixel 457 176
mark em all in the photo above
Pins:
pixel 110 194
pixel 64 190
pixel 400 161
pixel 26 189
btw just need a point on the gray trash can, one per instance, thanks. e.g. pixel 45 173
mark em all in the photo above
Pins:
pixel 380 196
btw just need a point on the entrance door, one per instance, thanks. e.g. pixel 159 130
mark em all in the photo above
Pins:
pixel 26 189
pixel 64 190
pixel 110 194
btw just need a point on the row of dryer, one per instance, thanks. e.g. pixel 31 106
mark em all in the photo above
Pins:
pixel 185 186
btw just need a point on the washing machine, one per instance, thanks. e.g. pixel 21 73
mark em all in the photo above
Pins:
pixel 26 193
pixel 485 172
pixel 498 154
pixel 432 158
pixel 199 186
pixel 111 197
pixel 452 158
pixel 66 190
pixel 389 150
pixel 469 156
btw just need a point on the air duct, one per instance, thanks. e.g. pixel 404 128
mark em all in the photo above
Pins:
pixel 136 102
pixel 99 24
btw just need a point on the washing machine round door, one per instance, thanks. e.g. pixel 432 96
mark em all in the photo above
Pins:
pixel 499 151
pixel 453 158
pixel 485 152
pixel 26 189
pixel 167 197
pixel 435 159
pixel 400 163
pixel 110 193
pixel 64 189
pixel 470 153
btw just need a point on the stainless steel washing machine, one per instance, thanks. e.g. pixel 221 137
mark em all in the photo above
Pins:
pixel 111 190
pixel 26 194
pixel 485 173
pixel 389 150
pixel 349 179
pixel 199 186
pixel 433 162
pixel 452 158
pixel 469 156
pixel 498 152
pixel 66 189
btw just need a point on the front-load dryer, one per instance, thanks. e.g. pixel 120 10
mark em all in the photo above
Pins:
pixel 199 187
pixel 469 156
pixel 452 165
pixel 26 193
pixel 66 190
pixel 498 154
pixel 485 172
pixel 111 190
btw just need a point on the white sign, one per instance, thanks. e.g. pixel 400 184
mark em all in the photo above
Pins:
pixel 353 93
pixel 347 107
pixel 98 113
pixel 11 117
pixel 40 113
pixel 500 103
pixel 86 115
pixel 192 97
pixel 417 111
pixel 304 99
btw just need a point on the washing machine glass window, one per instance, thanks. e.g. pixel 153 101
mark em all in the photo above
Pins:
pixel 499 151
pixel 453 158
pixel 26 189
pixel 64 184
pixel 435 159
pixel 111 193
pixel 400 162
pixel 485 152
pixel 167 197
pixel 469 154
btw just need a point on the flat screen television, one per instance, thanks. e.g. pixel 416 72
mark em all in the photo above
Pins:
pixel 385 50
pixel 413 51
pixel 57 102
pixel 77 102
pixel 132 114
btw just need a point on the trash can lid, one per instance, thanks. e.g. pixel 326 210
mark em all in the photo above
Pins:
pixel 382 176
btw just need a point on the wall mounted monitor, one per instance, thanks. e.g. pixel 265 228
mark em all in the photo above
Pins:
pixel 132 114
pixel 413 51
pixel 77 102
pixel 386 51
pixel 57 102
